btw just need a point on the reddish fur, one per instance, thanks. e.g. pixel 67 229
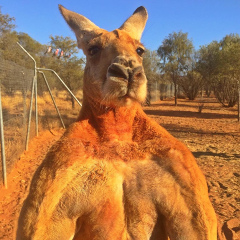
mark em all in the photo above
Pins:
pixel 115 173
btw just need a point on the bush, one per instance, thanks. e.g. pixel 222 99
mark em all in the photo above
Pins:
pixel 191 84
pixel 226 92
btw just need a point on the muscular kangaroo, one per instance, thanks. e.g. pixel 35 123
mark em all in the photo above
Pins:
pixel 116 174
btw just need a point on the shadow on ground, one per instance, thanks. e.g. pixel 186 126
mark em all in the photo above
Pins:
pixel 188 114
pixel 199 154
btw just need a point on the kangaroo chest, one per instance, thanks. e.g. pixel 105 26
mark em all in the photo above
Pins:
pixel 122 185
pixel 123 194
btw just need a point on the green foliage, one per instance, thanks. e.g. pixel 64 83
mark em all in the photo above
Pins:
pixel 6 23
pixel 151 68
pixel 8 40
pixel 66 44
pixel 31 45
pixel 219 65
pixel 151 65
pixel 207 64
pixel 174 53
pixel 69 69
pixel 191 84
pixel 7 37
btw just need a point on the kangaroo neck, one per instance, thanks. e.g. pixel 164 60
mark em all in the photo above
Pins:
pixel 110 123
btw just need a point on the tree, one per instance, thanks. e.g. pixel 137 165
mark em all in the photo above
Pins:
pixel 151 69
pixel 7 45
pixel 192 82
pixel 207 64
pixel 66 44
pixel 6 23
pixel 70 69
pixel 219 65
pixel 226 81
pixel 72 73
pixel 7 37
pixel 32 46
pixel 175 52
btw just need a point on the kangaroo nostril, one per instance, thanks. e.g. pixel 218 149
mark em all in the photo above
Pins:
pixel 136 74
pixel 131 63
pixel 137 70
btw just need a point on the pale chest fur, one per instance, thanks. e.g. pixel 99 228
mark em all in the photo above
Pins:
pixel 123 198
pixel 121 184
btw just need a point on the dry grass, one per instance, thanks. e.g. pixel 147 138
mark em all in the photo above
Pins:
pixel 16 114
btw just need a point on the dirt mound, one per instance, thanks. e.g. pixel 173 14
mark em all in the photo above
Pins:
pixel 213 136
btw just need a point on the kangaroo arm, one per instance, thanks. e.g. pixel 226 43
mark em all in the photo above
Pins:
pixel 182 193
pixel 53 204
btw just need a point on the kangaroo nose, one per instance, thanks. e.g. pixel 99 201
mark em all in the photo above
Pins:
pixel 127 74
pixel 117 70
pixel 126 68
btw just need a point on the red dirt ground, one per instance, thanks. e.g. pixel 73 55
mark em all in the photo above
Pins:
pixel 213 136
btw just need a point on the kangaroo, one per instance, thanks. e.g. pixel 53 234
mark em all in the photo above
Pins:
pixel 116 174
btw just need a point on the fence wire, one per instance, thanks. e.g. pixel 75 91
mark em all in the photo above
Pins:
pixel 166 90
pixel 16 83
pixel 16 79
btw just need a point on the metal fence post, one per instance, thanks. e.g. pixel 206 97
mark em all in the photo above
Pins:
pixel 238 82
pixel 35 77
pixel 34 89
pixel 47 69
pixel 49 89
pixel 30 114
pixel 4 169
pixel 36 105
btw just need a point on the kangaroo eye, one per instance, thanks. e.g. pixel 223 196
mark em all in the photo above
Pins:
pixel 140 51
pixel 93 50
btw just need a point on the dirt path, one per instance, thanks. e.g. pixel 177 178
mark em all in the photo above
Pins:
pixel 213 136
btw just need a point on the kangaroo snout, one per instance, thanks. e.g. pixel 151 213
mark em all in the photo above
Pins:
pixel 126 71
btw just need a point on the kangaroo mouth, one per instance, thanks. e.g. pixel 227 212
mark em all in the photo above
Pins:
pixel 119 91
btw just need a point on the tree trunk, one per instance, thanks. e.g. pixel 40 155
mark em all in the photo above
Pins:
pixel 238 100
pixel 175 91
pixel 73 102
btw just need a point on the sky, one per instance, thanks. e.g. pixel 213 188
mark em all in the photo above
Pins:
pixel 203 20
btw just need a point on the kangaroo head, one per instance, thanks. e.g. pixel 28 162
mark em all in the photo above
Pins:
pixel 114 75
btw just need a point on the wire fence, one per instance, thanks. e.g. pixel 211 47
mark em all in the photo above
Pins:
pixel 159 91
pixel 16 83
pixel 54 108
pixel 166 90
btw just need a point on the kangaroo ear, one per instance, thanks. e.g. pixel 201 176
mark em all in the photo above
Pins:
pixel 135 24
pixel 83 28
